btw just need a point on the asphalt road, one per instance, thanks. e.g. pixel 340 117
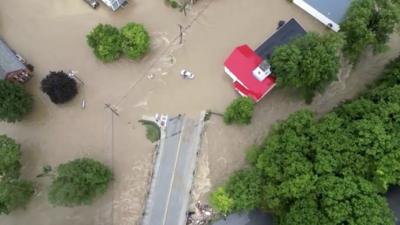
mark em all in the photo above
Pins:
pixel 173 173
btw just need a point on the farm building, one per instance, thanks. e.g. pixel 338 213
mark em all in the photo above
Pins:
pixel 250 70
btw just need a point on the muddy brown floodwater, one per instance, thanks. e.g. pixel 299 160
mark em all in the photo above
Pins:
pixel 51 35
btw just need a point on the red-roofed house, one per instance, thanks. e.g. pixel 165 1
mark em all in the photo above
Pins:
pixel 250 74
pixel 250 71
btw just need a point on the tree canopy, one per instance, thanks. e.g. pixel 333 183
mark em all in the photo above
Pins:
pixel 10 155
pixel 15 102
pixel 59 87
pixel 135 40
pixel 14 192
pixel 240 111
pixel 369 23
pixel 308 63
pixel 106 42
pixel 332 170
pixel 79 182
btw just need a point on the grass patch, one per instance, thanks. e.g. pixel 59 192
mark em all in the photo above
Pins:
pixel 153 132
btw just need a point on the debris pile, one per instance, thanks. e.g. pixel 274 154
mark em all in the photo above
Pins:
pixel 202 215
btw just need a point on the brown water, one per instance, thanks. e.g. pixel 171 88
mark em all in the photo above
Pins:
pixel 51 35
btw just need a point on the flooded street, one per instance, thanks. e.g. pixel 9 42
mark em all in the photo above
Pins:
pixel 51 36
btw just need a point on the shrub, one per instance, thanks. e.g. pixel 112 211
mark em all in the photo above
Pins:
pixel 153 132
pixel 10 155
pixel 135 40
pixel 240 111
pixel 14 194
pixel 106 42
pixel 252 154
pixel 59 87
pixel 15 102
pixel 174 4
pixel 79 182
pixel 221 202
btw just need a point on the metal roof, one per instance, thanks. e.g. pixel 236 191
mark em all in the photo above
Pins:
pixel 8 60
pixel 114 4
pixel 333 9
pixel 240 65
pixel 283 35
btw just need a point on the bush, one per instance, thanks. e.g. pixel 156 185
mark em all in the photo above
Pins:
pixel 252 154
pixel 79 182
pixel 244 187
pixel 174 4
pixel 153 132
pixel 59 87
pixel 135 40
pixel 106 42
pixel 14 194
pixel 15 102
pixel 10 155
pixel 240 111
pixel 221 202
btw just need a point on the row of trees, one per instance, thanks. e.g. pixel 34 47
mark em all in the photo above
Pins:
pixel 108 43
pixel 77 182
pixel 310 63
pixel 328 171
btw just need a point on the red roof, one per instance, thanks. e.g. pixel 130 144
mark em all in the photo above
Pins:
pixel 241 63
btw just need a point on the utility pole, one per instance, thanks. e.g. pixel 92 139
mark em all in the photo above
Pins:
pixel 180 33
pixel 113 110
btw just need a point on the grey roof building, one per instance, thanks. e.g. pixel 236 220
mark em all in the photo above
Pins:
pixel 11 68
pixel 115 4
pixel 329 12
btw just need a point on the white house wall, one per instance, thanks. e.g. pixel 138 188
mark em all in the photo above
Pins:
pixel 315 13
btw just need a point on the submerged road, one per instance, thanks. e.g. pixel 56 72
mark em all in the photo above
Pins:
pixel 173 172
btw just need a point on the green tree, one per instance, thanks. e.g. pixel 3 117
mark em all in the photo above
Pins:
pixel 79 182
pixel 240 111
pixel 221 202
pixel 135 40
pixel 14 194
pixel 245 189
pixel 15 102
pixel 10 155
pixel 369 23
pixel 105 40
pixel 308 63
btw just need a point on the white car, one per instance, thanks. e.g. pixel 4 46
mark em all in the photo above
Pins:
pixel 187 74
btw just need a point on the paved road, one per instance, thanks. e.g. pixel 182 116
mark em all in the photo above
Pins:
pixel 173 173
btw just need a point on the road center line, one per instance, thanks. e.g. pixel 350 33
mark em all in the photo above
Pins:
pixel 173 174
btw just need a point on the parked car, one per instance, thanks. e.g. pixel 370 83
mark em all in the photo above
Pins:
pixel 92 3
